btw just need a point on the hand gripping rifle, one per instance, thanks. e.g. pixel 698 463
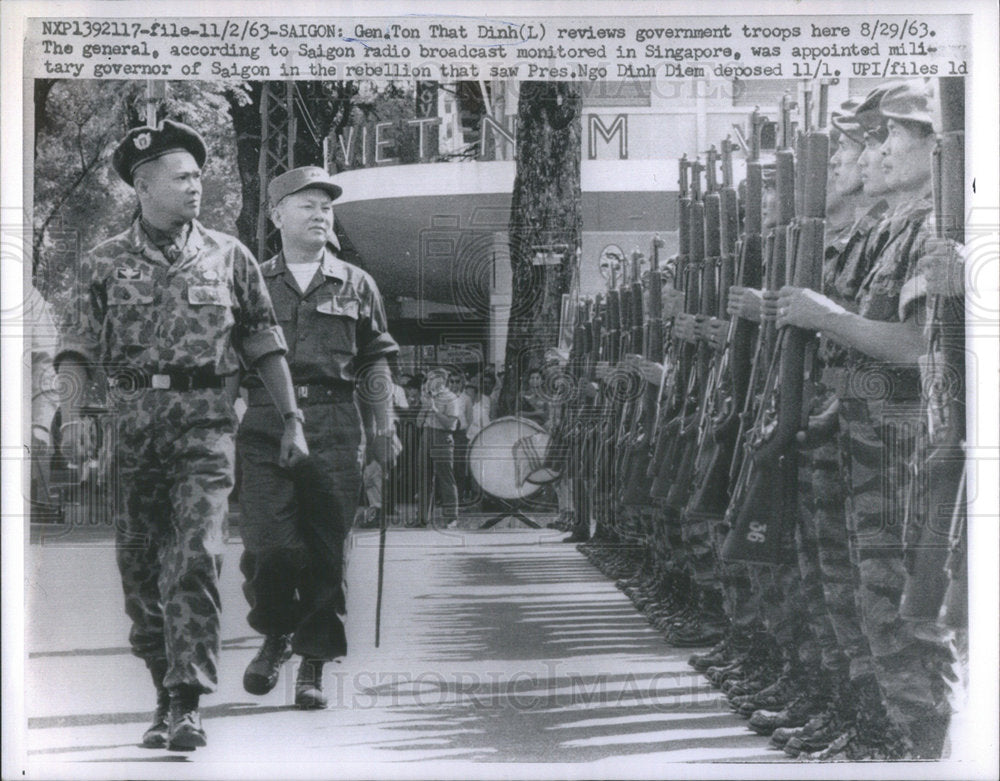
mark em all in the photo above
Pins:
pixel 718 432
pixel 765 502
pixel 623 400
pixel 935 563
pixel 631 446
pixel 747 362
pixel 670 399
pixel 682 381
pixel 638 479
pixel 707 361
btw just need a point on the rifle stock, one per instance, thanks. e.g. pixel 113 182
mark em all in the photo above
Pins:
pixel 757 536
pixel 937 574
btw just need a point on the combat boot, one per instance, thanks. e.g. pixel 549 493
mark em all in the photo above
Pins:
pixel 735 642
pixel 186 733
pixel 786 687
pixel 156 735
pixel 812 694
pixel 791 717
pixel 718 654
pixel 709 625
pixel 262 673
pixel 309 685
pixel 718 675
pixel 822 730
pixel 756 681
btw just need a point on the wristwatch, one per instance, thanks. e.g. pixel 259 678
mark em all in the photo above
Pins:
pixel 296 414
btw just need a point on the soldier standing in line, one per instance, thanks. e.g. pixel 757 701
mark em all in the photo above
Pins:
pixel 878 417
pixel 440 410
pixel 169 310
pixel 846 659
pixel 294 522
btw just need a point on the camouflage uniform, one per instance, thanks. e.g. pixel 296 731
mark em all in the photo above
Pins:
pixel 294 522
pixel 879 425
pixel 823 494
pixel 194 317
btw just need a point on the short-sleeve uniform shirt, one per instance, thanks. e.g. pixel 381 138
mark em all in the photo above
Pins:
pixel 332 328
pixel 899 243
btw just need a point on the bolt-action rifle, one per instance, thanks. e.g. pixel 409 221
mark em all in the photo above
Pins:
pixel 764 500
pixel 683 377
pixel 720 425
pixel 937 561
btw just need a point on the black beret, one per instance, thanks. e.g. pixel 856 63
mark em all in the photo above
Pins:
pixel 143 144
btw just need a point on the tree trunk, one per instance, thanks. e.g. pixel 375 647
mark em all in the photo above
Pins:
pixel 246 123
pixel 545 210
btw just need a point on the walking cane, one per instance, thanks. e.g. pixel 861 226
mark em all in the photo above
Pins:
pixel 381 555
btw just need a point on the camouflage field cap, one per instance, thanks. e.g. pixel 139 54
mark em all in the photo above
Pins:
pixel 869 116
pixel 909 102
pixel 846 121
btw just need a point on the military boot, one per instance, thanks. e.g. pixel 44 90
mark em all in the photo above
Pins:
pixel 786 687
pixel 669 598
pixel 709 626
pixel 309 685
pixel 812 695
pixel 749 685
pixel 823 729
pixel 733 643
pixel 871 734
pixel 717 675
pixel 793 716
pixel 156 735
pixel 718 654
pixel 262 673
pixel 186 733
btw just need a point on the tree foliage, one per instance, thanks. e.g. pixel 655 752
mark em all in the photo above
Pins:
pixel 79 198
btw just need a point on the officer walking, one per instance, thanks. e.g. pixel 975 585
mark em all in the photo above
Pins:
pixel 169 310
pixel 294 521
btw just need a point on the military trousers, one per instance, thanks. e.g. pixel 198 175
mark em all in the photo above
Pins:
pixel 174 461
pixel 825 547
pixel 294 524
pixel 876 445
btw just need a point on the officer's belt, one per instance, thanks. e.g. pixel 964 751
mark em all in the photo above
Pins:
pixel 306 394
pixel 133 380
pixel 872 381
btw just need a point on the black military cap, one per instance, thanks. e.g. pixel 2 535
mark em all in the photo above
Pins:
pixel 304 178
pixel 143 144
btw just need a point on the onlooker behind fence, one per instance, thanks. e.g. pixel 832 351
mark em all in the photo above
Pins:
pixel 480 414
pixel 440 410
pixel 456 384
pixel 532 404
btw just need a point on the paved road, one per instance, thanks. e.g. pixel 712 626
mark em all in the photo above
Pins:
pixel 497 647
